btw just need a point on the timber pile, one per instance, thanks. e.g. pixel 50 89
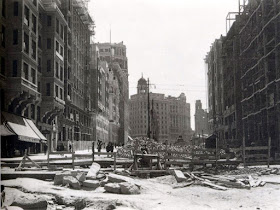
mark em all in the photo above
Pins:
pixel 221 182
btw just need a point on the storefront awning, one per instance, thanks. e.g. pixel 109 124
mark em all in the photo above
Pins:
pixel 24 128
pixel 4 131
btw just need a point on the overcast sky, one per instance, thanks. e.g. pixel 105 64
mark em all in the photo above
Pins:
pixel 166 40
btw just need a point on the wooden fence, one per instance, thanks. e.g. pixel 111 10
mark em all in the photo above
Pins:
pixel 64 158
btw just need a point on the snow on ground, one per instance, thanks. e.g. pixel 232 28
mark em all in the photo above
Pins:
pixel 157 194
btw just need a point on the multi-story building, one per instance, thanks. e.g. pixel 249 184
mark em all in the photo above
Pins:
pixel 46 60
pixel 200 119
pixel 232 110
pixel 260 72
pixel 168 118
pixel 251 75
pixel 105 99
pixel 115 55
pixel 215 89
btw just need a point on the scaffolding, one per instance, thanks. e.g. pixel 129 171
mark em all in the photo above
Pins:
pixel 260 71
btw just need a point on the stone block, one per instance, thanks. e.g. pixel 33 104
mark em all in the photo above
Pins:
pixel 91 184
pixel 30 201
pixel 103 182
pixel 73 182
pixel 112 188
pixel 119 178
pixel 93 171
pixel 129 188
pixel 81 177
pixel 180 177
pixel 58 179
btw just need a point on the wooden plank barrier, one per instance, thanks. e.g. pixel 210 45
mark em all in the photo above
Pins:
pixel 255 154
pixel 76 158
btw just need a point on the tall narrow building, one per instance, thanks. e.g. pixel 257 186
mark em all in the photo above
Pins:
pixel 201 120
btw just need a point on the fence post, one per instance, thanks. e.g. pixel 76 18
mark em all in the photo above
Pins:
pixel 92 151
pixel 73 158
pixel 115 159
pixel 166 154
pixel 268 155
pixel 243 152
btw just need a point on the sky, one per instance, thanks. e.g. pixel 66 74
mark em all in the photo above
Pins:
pixel 166 40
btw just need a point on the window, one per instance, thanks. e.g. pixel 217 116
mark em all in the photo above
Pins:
pixel 69 72
pixel 56 46
pixel 38 113
pixel 4 8
pixel 32 111
pixel 25 71
pixel 34 23
pixel 15 37
pixel 49 20
pixel 39 87
pixel 39 64
pixel 15 8
pixel 61 51
pixel 3 38
pixel 61 93
pixel 15 68
pixel 61 31
pixel 61 73
pixel 26 43
pixel 33 49
pixel 48 65
pixel 33 76
pixel 57 26
pixel 48 89
pixel 26 15
pixel 49 43
pixel 40 42
pixel 56 90
pixel 3 66
pixel 56 70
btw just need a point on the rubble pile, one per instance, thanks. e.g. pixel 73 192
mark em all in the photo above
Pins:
pixel 223 182
pixel 151 145
pixel 112 183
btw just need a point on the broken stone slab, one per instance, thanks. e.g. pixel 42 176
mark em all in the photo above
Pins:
pixel 93 171
pixel 30 201
pixel 112 188
pixel 91 184
pixel 73 182
pixel 58 179
pixel 180 177
pixel 129 188
pixel 81 177
pixel 119 178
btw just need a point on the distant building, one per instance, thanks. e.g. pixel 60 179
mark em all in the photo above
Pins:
pixel 115 55
pixel 215 89
pixel 201 120
pixel 169 116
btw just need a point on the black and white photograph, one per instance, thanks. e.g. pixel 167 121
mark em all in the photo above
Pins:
pixel 140 104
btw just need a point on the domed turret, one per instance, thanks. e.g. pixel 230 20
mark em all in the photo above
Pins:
pixel 142 86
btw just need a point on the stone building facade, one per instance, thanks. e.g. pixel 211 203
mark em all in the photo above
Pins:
pixel 169 116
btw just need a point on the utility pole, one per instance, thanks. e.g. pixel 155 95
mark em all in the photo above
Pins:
pixel 149 129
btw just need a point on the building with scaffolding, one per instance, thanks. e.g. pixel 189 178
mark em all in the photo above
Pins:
pixel 260 72
pixel 45 55
pixel 251 75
